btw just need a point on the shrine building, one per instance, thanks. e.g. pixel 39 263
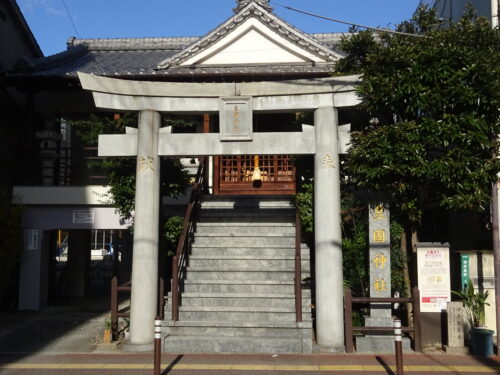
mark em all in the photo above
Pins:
pixel 240 280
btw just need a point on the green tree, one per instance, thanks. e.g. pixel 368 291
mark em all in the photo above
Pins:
pixel 434 101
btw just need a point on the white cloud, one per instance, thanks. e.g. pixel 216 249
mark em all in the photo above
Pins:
pixel 53 7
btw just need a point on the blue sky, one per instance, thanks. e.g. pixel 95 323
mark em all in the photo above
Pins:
pixel 156 18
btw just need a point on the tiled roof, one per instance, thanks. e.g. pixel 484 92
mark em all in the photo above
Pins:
pixel 253 10
pixel 141 56
pixel 134 44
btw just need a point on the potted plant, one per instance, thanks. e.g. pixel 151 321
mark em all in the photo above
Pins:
pixel 107 330
pixel 474 303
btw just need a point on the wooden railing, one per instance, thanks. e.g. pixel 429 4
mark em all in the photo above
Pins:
pixel 181 258
pixel 298 268
pixel 349 300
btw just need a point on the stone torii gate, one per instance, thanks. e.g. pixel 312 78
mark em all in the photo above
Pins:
pixel 235 103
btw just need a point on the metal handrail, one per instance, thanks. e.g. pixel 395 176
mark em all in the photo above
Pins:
pixel 298 269
pixel 115 313
pixel 181 257
pixel 125 312
pixel 349 300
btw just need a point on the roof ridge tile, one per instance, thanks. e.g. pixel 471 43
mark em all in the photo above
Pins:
pixel 137 44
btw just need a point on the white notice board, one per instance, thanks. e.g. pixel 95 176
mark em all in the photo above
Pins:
pixel 31 238
pixel 433 269
pixel 83 216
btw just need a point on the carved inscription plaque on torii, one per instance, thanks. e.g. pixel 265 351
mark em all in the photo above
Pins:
pixel 236 119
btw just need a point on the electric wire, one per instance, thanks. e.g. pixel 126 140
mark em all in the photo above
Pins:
pixel 70 19
pixel 350 23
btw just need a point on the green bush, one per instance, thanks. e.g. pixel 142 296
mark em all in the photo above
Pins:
pixel 171 232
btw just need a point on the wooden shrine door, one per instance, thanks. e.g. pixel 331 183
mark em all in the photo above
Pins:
pixel 233 175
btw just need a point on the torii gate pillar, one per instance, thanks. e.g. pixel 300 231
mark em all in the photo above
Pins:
pixel 146 227
pixel 327 231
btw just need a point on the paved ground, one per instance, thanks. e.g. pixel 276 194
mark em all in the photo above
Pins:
pixel 66 341
pixel 324 364
pixel 52 333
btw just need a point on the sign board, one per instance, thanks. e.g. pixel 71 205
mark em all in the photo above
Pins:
pixel 433 269
pixel 83 216
pixel 236 119
pixel 31 238
pixel 464 269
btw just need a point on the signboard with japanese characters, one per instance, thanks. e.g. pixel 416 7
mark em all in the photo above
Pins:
pixel 464 269
pixel 380 258
pixel 83 216
pixel 433 270
pixel 31 239
pixel 236 119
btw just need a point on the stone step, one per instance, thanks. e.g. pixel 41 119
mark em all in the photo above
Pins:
pixel 244 264
pixel 241 300
pixel 276 222
pixel 263 254
pixel 224 344
pixel 242 324
pixel 248 252
pixel 305 294
pixel 240 286
pixel 244 241
pixel 247 214
pixel 238 329
pixel 246 202
pixel 243 274
pixel 236 313
pixel 239 230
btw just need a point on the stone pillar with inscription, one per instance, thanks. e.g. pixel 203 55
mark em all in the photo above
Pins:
pixel 379 232
pixel 380 282
pixel 146 220
pixel 380 264
pixel 455 328
pixel 328 236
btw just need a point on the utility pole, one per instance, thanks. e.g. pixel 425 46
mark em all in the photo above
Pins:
pixel 496 255
pixel 495 215
pixel 494 13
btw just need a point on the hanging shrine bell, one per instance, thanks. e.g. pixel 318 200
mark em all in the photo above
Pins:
pixel 256 170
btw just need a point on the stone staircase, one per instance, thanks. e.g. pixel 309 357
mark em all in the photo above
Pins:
pixel 238 293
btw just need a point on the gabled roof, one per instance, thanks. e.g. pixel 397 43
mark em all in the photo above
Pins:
pixel 139 57
pixel 253 35
pixel 190 58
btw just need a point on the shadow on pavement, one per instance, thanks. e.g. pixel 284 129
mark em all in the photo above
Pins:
pixel 76 326
pixel 384 365
pixel 172 364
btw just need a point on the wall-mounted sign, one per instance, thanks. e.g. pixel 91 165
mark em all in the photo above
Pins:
pixel 433 263
pixel 31 238
pixel 464 269
pixel 236 119
pixel 83 216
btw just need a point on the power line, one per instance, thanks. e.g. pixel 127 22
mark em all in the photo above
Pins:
pixel 350 23
pixel 70 19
